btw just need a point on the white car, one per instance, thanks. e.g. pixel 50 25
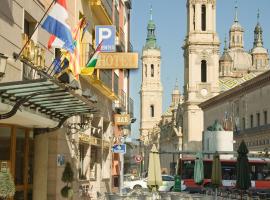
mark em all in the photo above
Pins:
pixel 167 184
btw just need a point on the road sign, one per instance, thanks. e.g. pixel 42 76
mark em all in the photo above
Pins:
pixel 107 35
pixel 138 158
pixel 119 148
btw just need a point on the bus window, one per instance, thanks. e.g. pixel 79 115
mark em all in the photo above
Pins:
pixel 188 170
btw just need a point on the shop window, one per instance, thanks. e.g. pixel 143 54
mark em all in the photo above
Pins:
pixel 20 156
pixel 82 170
pixel 5 143
pixel 203 71
pixel 203 18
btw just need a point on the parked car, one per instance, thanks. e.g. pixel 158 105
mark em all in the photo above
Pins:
pixel 167 184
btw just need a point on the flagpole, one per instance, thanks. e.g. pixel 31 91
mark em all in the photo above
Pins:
pixel 17 56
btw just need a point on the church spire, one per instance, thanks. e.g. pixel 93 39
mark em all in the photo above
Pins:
pixel 236 12
pixel 225 44
pixel 151 38
pixel 258 39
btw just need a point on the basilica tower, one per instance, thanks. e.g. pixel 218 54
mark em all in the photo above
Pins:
pixel 151 88
pixel 201 54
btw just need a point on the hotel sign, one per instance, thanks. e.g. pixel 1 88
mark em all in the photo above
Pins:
pixel 117 61
pixel 122 120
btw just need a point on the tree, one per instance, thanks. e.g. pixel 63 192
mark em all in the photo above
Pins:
pixel 68 178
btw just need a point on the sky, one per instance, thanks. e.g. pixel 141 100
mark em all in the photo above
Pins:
pixel 170 19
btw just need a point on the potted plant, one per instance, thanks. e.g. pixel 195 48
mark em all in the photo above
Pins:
pixel 68 178
pixel 7 186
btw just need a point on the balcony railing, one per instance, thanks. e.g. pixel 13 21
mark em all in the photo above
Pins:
pixel 106 77
pixel 130 47
pixel 116 84
pixel 103 10
pixel 123 98
pixel 131 107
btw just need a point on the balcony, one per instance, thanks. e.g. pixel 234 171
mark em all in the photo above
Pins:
pixel 254 130
pixel 103 10
pixel 101 79
pixel 131 107
pixel 128 4
pixel 121 103
pixel 130 47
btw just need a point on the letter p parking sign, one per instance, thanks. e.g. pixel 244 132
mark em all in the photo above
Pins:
pixel 107 35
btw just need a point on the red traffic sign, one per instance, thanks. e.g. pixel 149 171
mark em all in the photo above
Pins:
pixel 138 158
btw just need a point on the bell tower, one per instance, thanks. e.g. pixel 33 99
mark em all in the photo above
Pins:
pixel 151 88
pixel 201 55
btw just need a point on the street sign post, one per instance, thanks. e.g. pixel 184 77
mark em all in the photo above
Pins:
pixel 119 148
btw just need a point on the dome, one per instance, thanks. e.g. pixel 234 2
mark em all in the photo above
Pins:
pixel 226 57
pixel 237 27
pixel 151 25
pixel 259 50
pixel 241 59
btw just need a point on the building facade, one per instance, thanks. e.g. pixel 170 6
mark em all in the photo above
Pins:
pixel 59 122
pixel 207 74
pixel 243 110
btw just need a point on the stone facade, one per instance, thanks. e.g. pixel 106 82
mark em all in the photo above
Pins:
pixel 244 110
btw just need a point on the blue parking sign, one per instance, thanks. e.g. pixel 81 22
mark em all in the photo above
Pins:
pixel 107 35
pixel 119 148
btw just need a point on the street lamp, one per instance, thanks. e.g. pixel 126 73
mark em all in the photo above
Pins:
pixel 3 65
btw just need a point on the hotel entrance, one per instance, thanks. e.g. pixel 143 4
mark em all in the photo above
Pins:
pixel 16 147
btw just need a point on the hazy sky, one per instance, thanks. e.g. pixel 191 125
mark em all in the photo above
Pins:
pixel 170 18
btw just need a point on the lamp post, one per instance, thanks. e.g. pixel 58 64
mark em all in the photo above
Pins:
pixel 3 65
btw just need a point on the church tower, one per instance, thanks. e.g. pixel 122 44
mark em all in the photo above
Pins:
pixel 201 54
pixel 151 88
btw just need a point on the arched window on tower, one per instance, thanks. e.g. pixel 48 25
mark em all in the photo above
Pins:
pixel 152 111
pixel 152 70
pixel 203 71
pixel 194 10
pixel 145 70
pixel 203 18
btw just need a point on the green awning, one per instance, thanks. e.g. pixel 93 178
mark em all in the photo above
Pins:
pixel 46 96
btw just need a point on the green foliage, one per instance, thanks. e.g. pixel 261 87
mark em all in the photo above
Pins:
pixel 67 177
pixel 68 174
pixel 67 192
pixel 7 186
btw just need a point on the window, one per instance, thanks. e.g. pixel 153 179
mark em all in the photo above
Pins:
pixel 203 71
pixel 193 16
pixel 244 123
pixel 265 117
pixel 152 70
pixel 251 121
pixel 152 111
pixel 145 70
pixel 258 119
pixel 203 18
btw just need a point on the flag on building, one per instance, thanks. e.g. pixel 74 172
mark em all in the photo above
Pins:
pixel 74 58
pixel 90 66
pixel 55 24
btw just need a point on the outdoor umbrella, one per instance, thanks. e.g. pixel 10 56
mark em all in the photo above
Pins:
pixel 154 172
pixel 198 169
pixel 243 170
pixel 216 173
